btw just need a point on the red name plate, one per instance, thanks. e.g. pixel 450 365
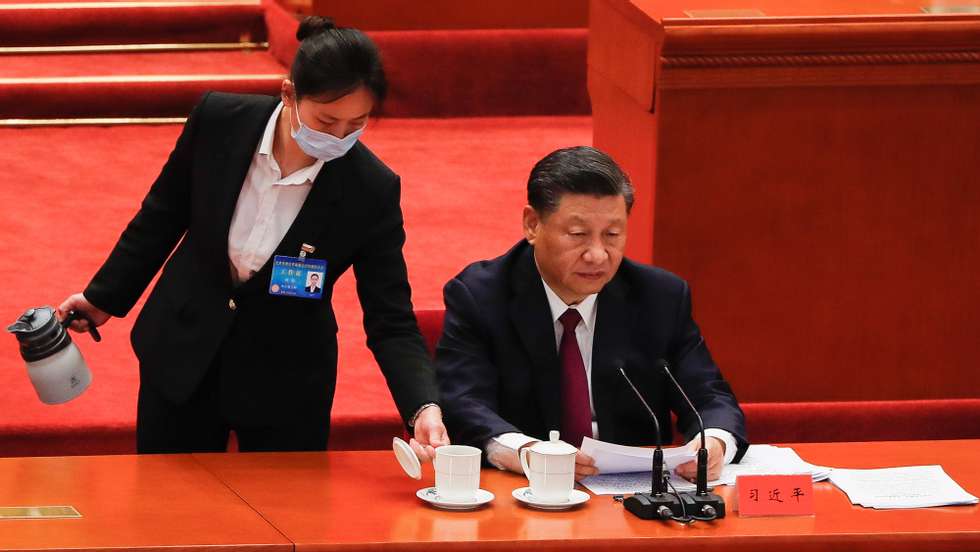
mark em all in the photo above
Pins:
pixel 774 495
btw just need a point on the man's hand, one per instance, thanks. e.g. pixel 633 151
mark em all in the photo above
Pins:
pixel 584 466
pixel 716 458
pixel 79 303
pixel 430 433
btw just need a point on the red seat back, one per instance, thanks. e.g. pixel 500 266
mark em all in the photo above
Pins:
pixel 430 324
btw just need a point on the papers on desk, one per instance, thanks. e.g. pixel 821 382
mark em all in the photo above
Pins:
pixel 908 487
pixel 758 460
pixel 627 470
pixel 770 460
pixel 610 458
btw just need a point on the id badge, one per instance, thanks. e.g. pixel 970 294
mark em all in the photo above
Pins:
pixel 298 277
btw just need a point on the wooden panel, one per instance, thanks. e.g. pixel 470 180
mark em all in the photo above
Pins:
pixel 631 133
pixel 669 10
pixel 129 502
pixel 342 500
pixel 624 51
pixel 868 35
pixel 454 14
pixel 830 233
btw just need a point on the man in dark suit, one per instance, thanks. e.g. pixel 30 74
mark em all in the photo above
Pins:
pixel 533 340
pixel 314 286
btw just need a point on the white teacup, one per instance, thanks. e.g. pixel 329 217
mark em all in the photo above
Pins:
pixel 457 470
pixel 550 469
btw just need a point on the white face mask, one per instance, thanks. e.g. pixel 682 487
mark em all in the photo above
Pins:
pixel 322 145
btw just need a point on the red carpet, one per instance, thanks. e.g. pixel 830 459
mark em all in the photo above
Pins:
pixel 432 74
pixel 128 85
pixel 140 64
pixel 65 208
pixel 22 25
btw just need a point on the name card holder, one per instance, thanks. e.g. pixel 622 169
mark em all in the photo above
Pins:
pixel 774 495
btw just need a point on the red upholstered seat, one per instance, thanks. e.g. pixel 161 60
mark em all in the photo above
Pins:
pixel 430 324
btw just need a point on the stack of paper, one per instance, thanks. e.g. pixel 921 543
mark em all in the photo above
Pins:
pixel 758 460
pixel 612 458
pixel 909 487
pixel 770 460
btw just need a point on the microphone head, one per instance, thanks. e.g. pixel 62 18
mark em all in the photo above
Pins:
pixel 620 367
pixel 661 364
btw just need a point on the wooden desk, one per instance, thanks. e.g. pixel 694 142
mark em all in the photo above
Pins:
pixel 129 503
pixel 352 500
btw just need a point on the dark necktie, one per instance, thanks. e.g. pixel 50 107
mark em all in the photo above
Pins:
pixel 576 417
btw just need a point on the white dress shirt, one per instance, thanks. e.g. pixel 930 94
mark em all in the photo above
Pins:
pixel 267 206
pixel 508 444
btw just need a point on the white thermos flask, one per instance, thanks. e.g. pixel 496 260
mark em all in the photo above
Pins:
pixel 54 364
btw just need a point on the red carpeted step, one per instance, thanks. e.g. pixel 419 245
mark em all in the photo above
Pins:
pixel 134 85
pixel 68 192
pixel 473 73
pixel 73 23
pixel 470 73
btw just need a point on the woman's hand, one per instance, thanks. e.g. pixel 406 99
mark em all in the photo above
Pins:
pixel 79 303
pixel 430 433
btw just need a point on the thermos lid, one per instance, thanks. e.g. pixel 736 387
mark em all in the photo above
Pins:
pixel 40 334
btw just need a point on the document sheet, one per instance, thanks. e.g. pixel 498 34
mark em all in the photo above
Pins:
pixel 907 487
pixel 611 458
pixel 758 460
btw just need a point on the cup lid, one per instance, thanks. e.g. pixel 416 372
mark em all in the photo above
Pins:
pixel 407 458
pixel 553 446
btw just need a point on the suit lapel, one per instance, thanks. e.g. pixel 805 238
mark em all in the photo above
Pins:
pixel 615 321
pixel 531 316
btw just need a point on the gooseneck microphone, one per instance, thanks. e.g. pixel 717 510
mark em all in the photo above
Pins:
pixel 658 486
pixel 657 504
pixel 702 480
pixel 708 505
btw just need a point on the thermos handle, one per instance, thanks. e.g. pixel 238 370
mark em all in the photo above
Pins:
pixel 79 315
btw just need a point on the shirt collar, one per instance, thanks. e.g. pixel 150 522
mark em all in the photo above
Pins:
pixel 302 176
pixel 586 307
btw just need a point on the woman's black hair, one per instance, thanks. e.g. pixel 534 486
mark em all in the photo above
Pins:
pixel 332 61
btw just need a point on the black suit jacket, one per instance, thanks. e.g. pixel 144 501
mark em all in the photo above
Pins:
pixel 278 354
pixel 498 366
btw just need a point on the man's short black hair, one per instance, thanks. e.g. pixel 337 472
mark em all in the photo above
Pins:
pixel 577 170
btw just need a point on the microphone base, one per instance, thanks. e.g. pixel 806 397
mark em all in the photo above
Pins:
pixel 653 506
pixel 695 504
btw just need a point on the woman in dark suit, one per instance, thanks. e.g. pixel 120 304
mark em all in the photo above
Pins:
pixel 257 187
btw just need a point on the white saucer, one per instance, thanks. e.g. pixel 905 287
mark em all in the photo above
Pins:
pixel 523 494
pixel 429 495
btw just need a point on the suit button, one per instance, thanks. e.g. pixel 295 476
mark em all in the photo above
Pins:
pixel 232 305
